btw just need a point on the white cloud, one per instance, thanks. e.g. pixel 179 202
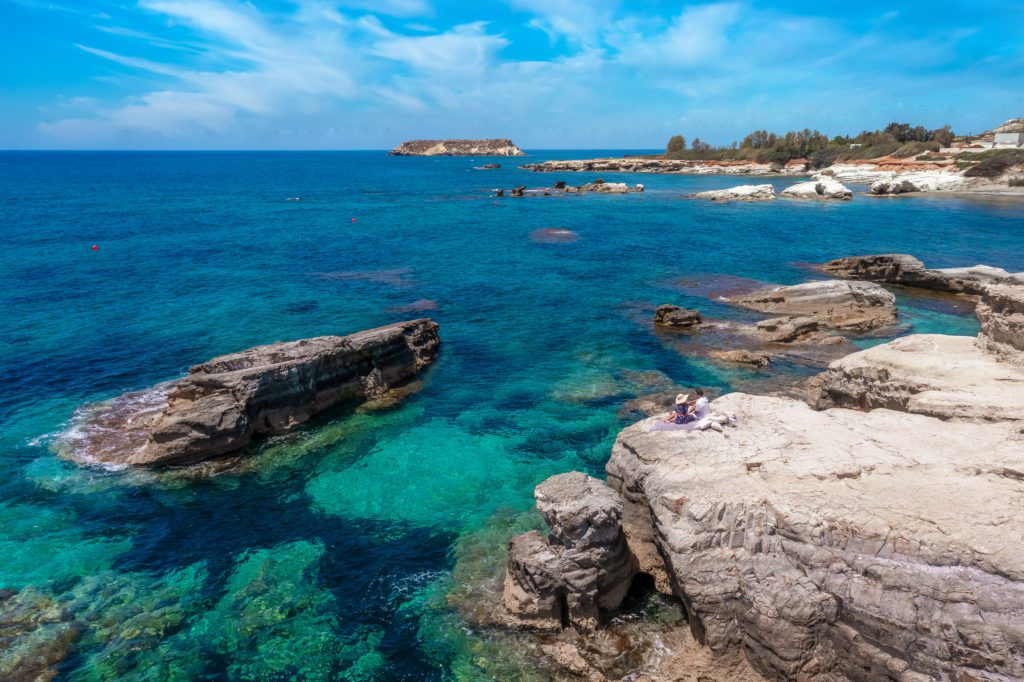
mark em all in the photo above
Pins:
pixel 578 21
pixel 396 8
pixel 465 49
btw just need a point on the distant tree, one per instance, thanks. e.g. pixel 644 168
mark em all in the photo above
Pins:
pixel 676 143
pixel 699 146
pixel 840 140
pixel 944 135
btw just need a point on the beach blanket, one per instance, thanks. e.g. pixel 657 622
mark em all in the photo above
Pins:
pixel 714 421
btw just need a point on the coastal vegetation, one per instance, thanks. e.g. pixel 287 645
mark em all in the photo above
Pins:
pixel 761 146
pixel 991 163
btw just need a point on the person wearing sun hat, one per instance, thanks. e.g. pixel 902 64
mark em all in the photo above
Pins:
pixel 679 414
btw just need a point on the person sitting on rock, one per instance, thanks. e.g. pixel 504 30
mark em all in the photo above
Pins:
pixel 700 406
pixel 680 415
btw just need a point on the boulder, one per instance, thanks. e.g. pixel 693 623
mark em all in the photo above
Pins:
pixel 893 186
pixel 947 377
pixel 1001 312
pixel 739 193
pixel 838 544
pixel 850 306
pixel 676 317
pixel 581 572
pixel 609 187
pixel 823 188
pixel 224 403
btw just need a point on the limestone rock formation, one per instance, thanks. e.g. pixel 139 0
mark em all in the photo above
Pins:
pixel 944 179
pixel 493 147
pixel 931 374
pixel 899 268
pixel 582 571
pixel 893 186
pixel 838 544
pixel 1001 311
pixel 824 188
pixel 226 402
pixel 654 164
pixel 792 329
pixel 739 193
pixel 676 317
pixel 845 305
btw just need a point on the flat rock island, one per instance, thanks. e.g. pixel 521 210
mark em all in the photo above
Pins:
pixel 492 147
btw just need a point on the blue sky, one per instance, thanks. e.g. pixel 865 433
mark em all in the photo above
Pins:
pixel 351 74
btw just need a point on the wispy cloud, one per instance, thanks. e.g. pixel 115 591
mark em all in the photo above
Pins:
pixel 192 71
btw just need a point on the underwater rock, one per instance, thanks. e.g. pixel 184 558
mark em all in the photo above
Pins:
pixel 838 544
pixel 226 402
pixel 743 357
pixel 847 305
pixel 553 235
pixel 793 329
pixel 676 317
pixel 582 571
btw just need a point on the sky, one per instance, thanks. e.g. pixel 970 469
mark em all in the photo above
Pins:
pixel 550 74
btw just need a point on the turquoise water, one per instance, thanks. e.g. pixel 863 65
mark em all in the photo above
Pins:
pixel 330 552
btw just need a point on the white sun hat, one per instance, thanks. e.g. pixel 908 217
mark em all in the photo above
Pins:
pixel 682 398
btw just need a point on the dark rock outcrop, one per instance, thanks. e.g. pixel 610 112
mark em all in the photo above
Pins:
pixel 493 147
pixel 582 571
pixel 676 317
pixel 899 268
pixel 223 404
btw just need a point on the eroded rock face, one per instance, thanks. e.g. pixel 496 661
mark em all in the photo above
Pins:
pixel 494 147
pixel 676 317
pixel 1001 311
pixel 743 357
pixel 899 268
pixel 226 402
pixel 839 544
pixel 946 377
pixel 824 188
pixel 740 193
pixel 850 306
pixel 582 571
pixel 893 186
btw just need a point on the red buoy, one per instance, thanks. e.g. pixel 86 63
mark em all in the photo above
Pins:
pixel 95 248
pixel 353 220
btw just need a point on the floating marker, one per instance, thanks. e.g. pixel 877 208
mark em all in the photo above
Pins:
pixel 95 248
pixel 353 220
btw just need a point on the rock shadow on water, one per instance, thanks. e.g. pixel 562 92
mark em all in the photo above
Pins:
pixel 419 305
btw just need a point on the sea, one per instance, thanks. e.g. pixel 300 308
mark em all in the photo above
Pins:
pixel 354 547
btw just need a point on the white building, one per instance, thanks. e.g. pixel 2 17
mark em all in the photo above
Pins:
pixel 1009 140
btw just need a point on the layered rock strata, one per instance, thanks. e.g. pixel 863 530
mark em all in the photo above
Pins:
pixel 493 147
pixel 1001 312
pixel 899 268
pixel 739 193
pixel 224 403
pixel 582 571
pixel 850 306
pixel 838 545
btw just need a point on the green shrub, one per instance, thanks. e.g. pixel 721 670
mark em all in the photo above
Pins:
pixel 996 164
pixel 915 148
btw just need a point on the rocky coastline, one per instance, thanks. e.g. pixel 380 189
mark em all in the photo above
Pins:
pixel 885 177
pixel 223 404
pixel 490 147
pixel 874 534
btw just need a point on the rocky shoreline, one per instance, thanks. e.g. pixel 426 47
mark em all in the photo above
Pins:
pixel 885 177
pixel 873 535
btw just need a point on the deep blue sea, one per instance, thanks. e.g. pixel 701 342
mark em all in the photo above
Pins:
pixel 339 551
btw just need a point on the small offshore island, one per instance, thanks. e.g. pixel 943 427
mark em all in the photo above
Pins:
pixel 491 147
pixel 899 159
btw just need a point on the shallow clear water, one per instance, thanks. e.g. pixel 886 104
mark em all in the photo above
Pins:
pixel 330 552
